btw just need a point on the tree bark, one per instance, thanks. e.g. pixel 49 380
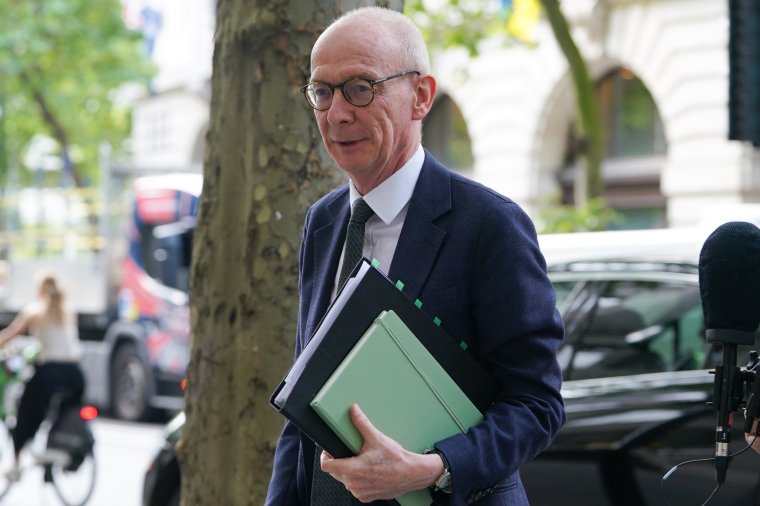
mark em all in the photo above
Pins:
pixel 588 183
pixel 264 166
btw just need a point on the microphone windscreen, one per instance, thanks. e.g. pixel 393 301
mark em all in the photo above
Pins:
pixel 729 277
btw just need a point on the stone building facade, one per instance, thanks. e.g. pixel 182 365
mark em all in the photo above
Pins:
pixel 662 71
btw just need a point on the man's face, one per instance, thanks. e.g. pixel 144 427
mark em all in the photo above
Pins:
pixel 370 143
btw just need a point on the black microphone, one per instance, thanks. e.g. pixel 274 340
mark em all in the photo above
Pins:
pixel 729 285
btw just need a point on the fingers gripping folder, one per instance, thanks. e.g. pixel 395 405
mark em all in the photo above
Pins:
pixel 365 297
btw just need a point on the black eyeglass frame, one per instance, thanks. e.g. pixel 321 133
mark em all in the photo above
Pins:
pixel 372 82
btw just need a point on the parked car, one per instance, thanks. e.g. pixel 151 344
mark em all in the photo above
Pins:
pixel 161 486
pixel 637 385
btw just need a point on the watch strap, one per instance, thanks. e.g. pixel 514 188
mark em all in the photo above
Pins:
pixel 443 482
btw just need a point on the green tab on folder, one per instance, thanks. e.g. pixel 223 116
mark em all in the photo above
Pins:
pixel 401 388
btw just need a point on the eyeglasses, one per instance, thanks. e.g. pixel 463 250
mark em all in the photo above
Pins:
pixel 357 90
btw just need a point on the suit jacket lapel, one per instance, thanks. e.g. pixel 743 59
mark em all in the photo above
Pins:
pixel 328 243
pixel 421 238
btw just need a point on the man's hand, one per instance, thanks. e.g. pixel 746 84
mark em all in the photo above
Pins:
pixel 383 469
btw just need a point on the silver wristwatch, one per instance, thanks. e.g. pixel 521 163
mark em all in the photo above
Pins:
pixel 443 483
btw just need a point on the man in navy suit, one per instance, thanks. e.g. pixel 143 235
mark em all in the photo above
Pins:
pixel 468 253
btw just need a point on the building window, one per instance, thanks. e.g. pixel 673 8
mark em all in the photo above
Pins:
pixel 630 116
pixel 635 152
pixel 445 136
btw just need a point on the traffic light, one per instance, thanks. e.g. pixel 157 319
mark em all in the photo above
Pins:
pixel 744 71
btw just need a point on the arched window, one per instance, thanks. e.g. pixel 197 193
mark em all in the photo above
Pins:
pixel 630 116
pixel 635 152
pixel 445 136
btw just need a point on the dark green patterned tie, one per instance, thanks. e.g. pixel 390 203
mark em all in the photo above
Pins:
pixel 360 213
pixel 325 490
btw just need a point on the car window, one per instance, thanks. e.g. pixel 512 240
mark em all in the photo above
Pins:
pixel 563 289
pixel 639 327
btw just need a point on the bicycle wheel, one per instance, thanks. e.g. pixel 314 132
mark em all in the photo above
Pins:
pixel 73 478
pixel 6 459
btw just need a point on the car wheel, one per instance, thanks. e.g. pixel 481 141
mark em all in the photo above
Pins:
pixel 129 385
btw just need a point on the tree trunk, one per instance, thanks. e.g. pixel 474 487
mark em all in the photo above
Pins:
pixel 588 183
pixel 264 165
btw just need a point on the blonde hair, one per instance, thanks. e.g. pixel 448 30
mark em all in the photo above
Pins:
pixel 51 291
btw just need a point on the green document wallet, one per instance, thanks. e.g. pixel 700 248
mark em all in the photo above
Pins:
pixel 365 296
pixel 401 388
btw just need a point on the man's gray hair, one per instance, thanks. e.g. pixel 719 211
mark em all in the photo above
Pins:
pixel 413 48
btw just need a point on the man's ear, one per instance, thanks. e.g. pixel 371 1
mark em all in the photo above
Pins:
pixel 425 93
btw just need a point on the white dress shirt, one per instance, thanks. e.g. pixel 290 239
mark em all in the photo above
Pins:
pixel 390 202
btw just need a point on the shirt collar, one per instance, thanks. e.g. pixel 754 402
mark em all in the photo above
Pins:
pixel 389 197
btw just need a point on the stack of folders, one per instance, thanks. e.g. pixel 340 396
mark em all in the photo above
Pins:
pixel 366 300
pixel 401 388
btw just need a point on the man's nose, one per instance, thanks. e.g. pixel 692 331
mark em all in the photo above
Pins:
pixel 340 110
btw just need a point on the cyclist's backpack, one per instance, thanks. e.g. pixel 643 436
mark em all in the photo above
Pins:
pixel 71 434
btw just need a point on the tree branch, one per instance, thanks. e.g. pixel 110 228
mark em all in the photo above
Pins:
pixel 59 132
pixel 590 186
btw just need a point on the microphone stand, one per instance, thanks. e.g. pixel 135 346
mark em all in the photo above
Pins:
pixel 725 379
pixel 728 392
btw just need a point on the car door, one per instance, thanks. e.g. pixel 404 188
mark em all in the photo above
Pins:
pixel 636 397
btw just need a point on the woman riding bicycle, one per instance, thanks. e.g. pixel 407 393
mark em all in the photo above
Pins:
pixel 56 370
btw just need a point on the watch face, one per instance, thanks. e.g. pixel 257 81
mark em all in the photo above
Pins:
pixel 444 481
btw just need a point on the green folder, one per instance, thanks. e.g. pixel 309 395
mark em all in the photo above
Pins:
pixel 401 388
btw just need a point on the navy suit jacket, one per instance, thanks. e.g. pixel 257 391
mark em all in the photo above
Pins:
pixel 471 256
